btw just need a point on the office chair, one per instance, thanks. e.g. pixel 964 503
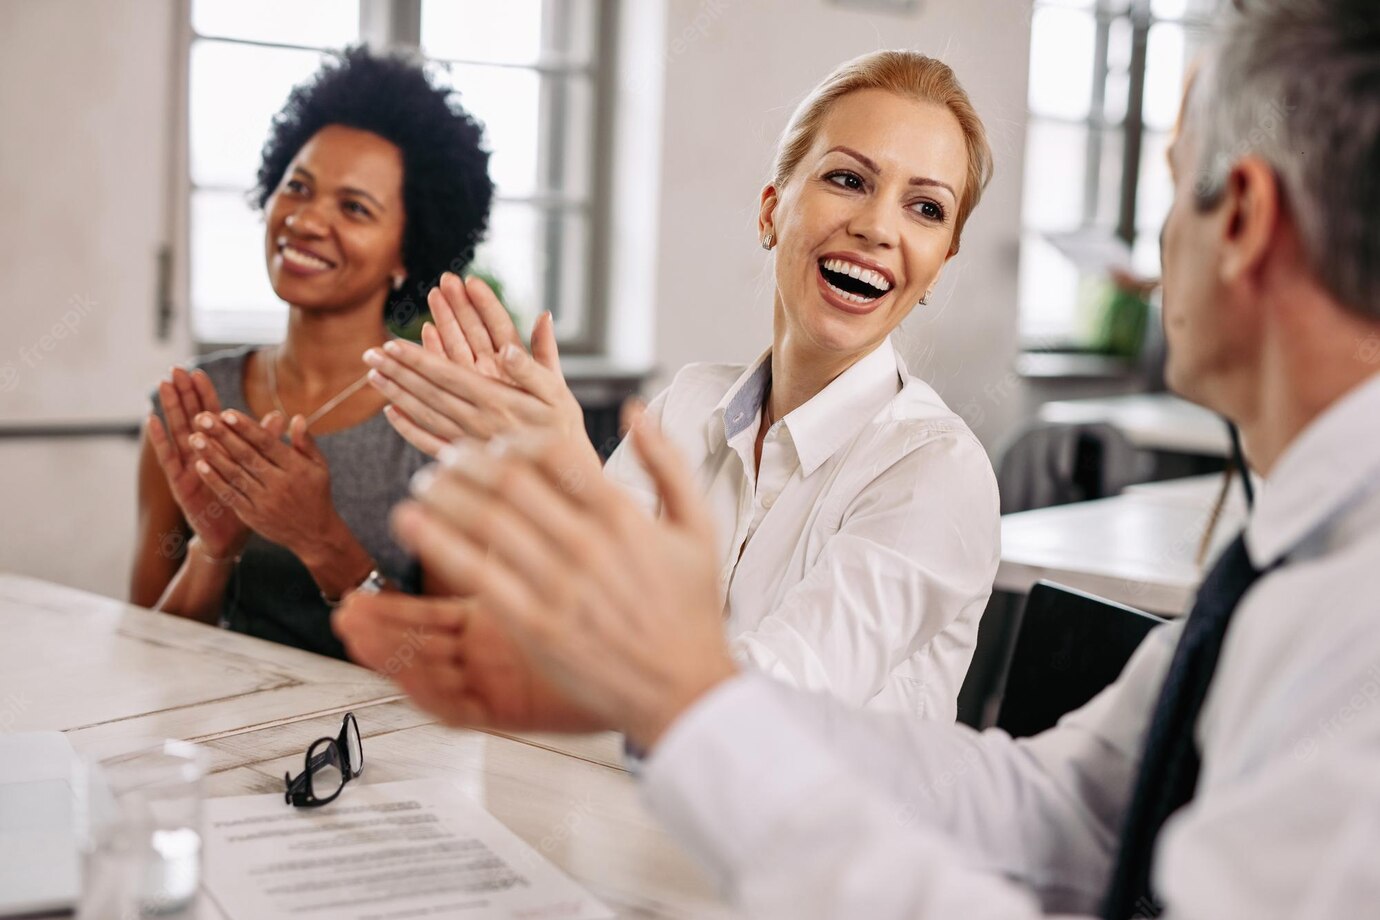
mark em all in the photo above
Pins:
pixel 1070 646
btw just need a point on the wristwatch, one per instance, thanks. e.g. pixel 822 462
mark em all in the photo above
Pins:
pixel 373 583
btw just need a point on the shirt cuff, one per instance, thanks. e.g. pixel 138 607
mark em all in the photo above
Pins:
pixel 731 768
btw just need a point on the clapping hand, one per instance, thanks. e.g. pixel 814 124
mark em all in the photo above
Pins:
pixel 620 611
pixel 183 397
pixel 455 662
pixel 471 377
pixel 281 490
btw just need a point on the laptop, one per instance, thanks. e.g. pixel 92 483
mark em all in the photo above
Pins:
pixel 39 871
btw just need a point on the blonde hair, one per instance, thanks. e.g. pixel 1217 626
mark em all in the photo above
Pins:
pixel 910 75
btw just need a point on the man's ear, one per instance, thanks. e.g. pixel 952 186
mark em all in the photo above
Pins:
pixel 766 212
pixel 1251 218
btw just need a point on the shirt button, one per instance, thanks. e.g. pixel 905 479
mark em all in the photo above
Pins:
pixel 768 501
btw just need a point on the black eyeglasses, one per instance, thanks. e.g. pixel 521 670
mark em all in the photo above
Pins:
pixel 331 763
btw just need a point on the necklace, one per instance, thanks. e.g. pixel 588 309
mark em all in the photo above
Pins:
pixel 271 369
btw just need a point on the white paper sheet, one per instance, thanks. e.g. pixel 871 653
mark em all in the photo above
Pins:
pixel 1094 251
pixel 420 848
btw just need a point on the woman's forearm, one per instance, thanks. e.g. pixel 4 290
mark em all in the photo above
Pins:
pixel 198 588
pixel 337 560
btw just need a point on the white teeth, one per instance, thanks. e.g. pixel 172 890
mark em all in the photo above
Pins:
pixel 306 260
pixel 853 270
pixel 845 295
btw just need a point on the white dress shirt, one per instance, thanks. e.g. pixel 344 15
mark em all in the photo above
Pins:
pixel 804 810
pixel 859 557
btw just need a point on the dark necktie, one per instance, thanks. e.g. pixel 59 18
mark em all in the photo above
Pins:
pixel 1169 765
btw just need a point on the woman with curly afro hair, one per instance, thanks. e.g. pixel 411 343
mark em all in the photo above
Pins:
pixel 267 473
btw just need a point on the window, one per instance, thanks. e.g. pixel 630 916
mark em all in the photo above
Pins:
pixel 527 69
pixel 1106 77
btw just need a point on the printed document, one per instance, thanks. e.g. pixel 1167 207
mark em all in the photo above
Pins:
pixel 420 848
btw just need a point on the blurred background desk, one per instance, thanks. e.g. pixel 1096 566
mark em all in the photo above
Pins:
pixel 1139 548
pixel 115 677
pixel 1160 422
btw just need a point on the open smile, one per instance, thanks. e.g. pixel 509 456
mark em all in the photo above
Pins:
pixel 301 261
pixel 852 286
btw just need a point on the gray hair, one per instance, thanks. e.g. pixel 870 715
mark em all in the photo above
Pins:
pixel 1297 83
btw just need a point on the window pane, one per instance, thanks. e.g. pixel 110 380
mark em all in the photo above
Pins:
pixel 1119 43
pixel 1048 292
pixel 568 234
pixel 235 91
pixel 1117 94
pixel 228 272
pixel 316 23
pixel 513 253
pixel 1061 56
pixel 566 161
pixel 1164 75
pixel 1055 158
pixel 571 30
pixel 1179 9
pixel 481 30
pixel 1145 255
pixel 1155 189
pixel 505 99
pixel 1110 168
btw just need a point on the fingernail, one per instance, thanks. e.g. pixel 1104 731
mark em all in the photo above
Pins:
pixel 229 418
pixel 375 377
pixel 422 480
pixel 449 456
pixel 391 347
pixel 205 421
pixel 373 358
pixel 198 441
pixel 203 467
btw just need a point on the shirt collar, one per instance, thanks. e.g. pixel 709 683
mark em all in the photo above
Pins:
pixel 742 404
pixel 829 419
pixel 1332 463
pixel 834 415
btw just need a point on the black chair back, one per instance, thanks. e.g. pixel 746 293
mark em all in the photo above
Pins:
pixel 1071 645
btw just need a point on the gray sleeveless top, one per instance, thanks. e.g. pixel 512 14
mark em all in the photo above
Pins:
pixel 272 594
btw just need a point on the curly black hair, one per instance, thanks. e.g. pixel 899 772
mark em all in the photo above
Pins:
pixel 446 187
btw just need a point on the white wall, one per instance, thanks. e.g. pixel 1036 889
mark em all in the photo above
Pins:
pixel 734 71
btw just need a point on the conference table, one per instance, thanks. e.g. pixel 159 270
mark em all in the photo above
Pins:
pixel 1139 548
pixel 116 678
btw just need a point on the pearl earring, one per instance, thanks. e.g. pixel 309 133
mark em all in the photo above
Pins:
pixel 768 241
pixel 398 282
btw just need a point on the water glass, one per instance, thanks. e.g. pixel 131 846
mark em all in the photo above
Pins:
pixel 139 829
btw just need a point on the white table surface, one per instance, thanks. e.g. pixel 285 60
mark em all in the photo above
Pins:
pixel 1138 548
pixel 1153 421
pixel 114 677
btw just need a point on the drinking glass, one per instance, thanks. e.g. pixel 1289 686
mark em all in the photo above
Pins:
pixel 139 830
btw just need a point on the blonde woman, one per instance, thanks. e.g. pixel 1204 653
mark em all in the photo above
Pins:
pixel 857 515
